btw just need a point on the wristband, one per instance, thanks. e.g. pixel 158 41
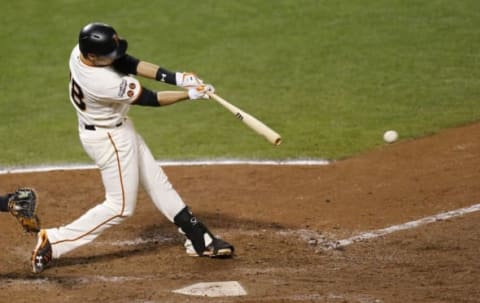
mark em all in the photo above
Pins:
pixel 164 75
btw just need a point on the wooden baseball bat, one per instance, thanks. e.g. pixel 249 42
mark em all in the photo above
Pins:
pixel 249 120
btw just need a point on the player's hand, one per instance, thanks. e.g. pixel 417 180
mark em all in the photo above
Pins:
pixel 201 91
pixel 188 80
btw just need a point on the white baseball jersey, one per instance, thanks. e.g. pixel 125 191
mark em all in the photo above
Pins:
pixel 101 95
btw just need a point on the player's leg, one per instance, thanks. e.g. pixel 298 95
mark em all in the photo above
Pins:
pixel 200 241
pixel 156 183
pixel 116 155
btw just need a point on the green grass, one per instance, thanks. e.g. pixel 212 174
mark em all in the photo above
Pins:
pixel 330 76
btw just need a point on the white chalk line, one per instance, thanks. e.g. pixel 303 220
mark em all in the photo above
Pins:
pixel 330 297
pixel 48 168
pixel 138 241
pixel 77 280
pixel 317 239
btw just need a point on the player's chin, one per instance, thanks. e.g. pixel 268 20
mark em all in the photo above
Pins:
pixel 103 61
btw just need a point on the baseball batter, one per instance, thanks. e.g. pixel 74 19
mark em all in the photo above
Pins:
pixel 102 90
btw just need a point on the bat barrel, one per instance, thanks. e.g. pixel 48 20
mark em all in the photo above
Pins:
pixel 252 122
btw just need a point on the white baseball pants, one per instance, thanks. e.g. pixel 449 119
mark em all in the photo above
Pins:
pixel 125 161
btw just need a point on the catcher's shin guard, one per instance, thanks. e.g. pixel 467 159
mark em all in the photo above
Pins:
pixel 200 238
pixel 4 202
pixel 42 254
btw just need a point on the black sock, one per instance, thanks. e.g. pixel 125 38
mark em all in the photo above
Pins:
pixel 193 229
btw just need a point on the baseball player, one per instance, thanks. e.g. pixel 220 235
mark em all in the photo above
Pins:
pixel 102 90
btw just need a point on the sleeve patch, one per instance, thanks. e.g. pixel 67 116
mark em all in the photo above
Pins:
pixel 123 87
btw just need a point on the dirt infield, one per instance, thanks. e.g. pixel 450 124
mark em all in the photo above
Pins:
pixel 279 218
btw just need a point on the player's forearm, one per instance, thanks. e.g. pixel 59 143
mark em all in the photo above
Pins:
pixel 148 97
pixel 171 97
pixel 153 71
pixel 147 69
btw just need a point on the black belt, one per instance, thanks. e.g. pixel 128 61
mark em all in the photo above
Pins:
pixel 93 127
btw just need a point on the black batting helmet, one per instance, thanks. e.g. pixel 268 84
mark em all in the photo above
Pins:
pixel 102 40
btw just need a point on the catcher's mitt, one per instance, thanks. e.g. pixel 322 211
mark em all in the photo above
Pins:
pixel 22 204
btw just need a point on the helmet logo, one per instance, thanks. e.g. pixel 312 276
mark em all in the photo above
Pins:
pixel 115 38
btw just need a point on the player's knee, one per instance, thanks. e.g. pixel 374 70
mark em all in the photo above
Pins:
pixel 129 208
pixel 123 207
pixel 128 212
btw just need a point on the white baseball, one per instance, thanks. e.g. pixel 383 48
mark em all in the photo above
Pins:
pixel 390 136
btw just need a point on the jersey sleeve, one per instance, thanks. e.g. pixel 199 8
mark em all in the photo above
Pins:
pixel 129 90
pixel 124 89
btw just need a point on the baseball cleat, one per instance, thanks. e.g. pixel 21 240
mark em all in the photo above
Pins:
pixel 42 254
pixel 217 249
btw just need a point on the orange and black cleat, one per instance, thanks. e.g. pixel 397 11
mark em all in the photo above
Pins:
pixel 42 255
